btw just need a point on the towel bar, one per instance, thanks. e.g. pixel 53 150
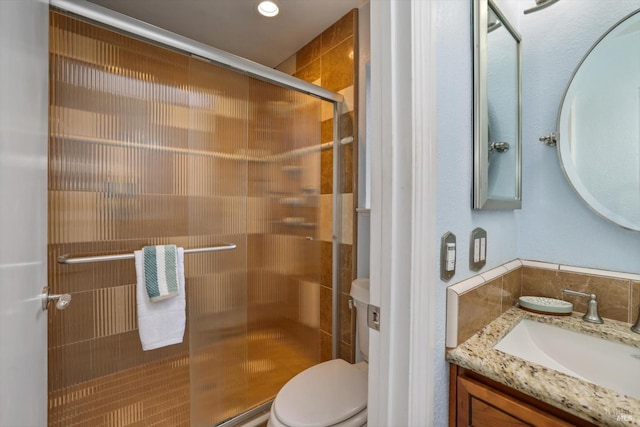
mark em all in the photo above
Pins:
pixel 68 259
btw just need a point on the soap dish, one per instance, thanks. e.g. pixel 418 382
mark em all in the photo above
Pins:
pixel 543 305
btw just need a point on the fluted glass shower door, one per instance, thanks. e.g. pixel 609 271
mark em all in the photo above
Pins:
pixel 152 146
pixel 255 312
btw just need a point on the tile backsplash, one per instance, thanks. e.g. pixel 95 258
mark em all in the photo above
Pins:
pixel 478 300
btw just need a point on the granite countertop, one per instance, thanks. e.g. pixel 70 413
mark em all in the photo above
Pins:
pixel 599 405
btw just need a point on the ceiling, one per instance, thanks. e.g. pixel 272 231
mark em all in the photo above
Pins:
pixel 236 27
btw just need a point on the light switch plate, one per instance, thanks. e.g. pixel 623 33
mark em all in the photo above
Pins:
pixel 477 249
pixel 446 241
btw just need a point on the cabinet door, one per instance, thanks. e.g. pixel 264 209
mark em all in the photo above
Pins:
pixel 482 406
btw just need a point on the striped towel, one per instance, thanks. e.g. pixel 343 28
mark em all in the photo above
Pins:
pixel 160 271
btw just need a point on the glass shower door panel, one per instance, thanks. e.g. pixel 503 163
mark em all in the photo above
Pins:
pixel 254 312
pixel 218 213
pixel 117 182
pixel 284 292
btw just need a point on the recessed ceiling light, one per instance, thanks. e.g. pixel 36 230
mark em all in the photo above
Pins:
pixel 268 8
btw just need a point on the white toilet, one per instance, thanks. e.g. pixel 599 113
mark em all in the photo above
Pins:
pixel 333 393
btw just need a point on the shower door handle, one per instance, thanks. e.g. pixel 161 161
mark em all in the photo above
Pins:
pixel 62 300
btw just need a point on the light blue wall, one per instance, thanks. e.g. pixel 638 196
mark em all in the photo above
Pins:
pixel 555 224
pixel 455 156
pixel 455 168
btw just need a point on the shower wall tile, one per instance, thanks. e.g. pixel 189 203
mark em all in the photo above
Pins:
pixel 326 133
pixel 326 172
pixel 326 263
pixel 327 110
pixel 325 346
pixel 347 352
pixel 326 218
pixel 338 66
pixel 346 268
pixel 311 72
pixel 346 321
pixel 348 218
pixel 72 325
pixel 131 353
pixel 69 365
pixel 339 31
pixel 114 310
pixel 257 212
pixel 140 396
pixel 75 212
pixel 346 169
pixel 347 124
pixel 105 355
pixel 349 98
pixel 309 52
pixel 326 310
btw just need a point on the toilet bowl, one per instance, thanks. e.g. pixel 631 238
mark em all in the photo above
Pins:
pixel 332 393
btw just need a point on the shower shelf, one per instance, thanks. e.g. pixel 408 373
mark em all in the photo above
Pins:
pixel 293 201
pixel 300 224
pixel 292 169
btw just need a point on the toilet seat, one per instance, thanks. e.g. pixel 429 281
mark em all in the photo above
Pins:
pixel 359 420
pixel 333 393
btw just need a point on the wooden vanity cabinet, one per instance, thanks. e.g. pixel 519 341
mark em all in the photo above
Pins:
pixel 477 401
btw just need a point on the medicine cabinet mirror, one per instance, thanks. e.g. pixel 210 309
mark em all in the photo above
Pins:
pixel 598 132
pixel 497 110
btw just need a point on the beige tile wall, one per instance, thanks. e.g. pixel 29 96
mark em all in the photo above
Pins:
pixel 485 303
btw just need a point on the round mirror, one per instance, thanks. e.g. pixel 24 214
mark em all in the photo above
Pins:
pixel 599 125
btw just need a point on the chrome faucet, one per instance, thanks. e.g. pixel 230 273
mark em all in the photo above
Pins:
pixel 636 327
pixel 592 309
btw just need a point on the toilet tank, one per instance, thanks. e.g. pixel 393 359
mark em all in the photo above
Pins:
pixel 360 295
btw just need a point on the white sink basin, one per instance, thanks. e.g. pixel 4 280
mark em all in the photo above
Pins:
pixel 605 363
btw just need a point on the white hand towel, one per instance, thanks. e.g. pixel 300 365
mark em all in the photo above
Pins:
pixel 160 323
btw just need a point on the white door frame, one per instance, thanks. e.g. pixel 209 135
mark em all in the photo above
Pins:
pixel 403 212
pixel 24 103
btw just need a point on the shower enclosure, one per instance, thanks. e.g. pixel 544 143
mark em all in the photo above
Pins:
pixel 151 145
